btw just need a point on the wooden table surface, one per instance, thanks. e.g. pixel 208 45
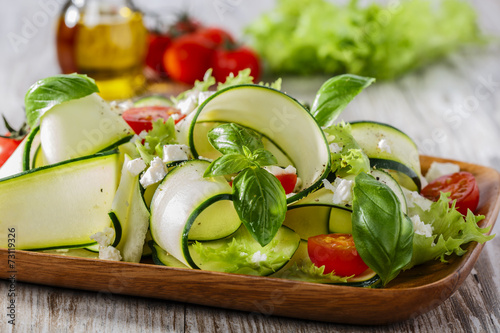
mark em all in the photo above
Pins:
pixel 451 109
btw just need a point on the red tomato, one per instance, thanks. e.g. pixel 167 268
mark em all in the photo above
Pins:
pixel 7 147
pixel 142 118
pixel 337 253
pixel 462 187
pixel 157 45
pixel 216 36
pixel 188 58
pixel 226 61
pixel 288 181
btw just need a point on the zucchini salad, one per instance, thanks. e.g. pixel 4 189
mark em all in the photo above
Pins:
pixel 233 177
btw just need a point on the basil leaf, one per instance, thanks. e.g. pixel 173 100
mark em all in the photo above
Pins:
pixel 260 201
pixel 54 90
pixel 382 233
pixel 230 138
pixel 264 157
pixel 335 94
pixel 227 164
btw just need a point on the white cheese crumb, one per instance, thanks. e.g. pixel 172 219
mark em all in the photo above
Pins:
pixel 104 237
pixel 413 199
pixel 420 227
pixel 136 166
pixel 383 145
pixel 342 191
pixel 205 158
pixel 276 170
pixel 291 194
pixel 109 253
pixel 143 134
pixel 440 169
pixel 202 96
pixel 155 173
pixel 173 153
pixel 187 105
pixel 258 257
pixel 335 148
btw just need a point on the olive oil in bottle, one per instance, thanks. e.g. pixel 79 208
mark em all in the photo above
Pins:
pixel 105 39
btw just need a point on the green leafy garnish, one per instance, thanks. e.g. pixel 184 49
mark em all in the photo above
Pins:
pixel 235 255
pixel 335 94
pixel 317 36
pixel 383 235
pixel 163 133
pixel 348 158
pixel 49 92
pixel 258 197
pixel 450 231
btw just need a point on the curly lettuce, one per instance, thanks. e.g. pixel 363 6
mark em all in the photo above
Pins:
pixel 163 133
pixel 319 37
pixel 346 155
pixel 451 230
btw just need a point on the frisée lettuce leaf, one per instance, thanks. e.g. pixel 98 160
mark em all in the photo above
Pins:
pixel 451 230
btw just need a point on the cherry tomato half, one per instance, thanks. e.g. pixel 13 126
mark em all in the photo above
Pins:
pixel 288 181
pixel 7 147
pixel 462 187
pixel 337 253
pixel 226 61
pixel 142 118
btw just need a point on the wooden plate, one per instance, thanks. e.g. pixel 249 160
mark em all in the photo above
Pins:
pixel 412 293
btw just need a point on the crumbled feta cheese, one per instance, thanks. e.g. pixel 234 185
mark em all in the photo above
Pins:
pixel 276 170
pixel 413 199
pixel 291 194
pixel 105 237
pixel 136 166
pixel 205 158
pixel 342 190
pixel 298 185
pixel 175 116
pixel 383 145
pixel 420 227
pixel 335 148
pixel 173 153
pixel 135 138
pixel 109 253
pixel 187 105
pixel 440 169
pixel 202 96
pixel 258 257
pixel 155 173
pixel 143 134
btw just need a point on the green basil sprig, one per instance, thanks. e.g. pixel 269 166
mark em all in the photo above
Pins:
pixel 49 92
pixel 383 234
pixel 258 197
pixel 334 95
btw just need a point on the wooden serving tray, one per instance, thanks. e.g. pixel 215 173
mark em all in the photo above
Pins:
pixel 411 294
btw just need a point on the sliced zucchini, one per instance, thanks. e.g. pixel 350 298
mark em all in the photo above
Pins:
pixel 161 257
pixel 182 196
pixel 31 148
pixel 402 157
pixel 132 214
pixel 80 127
pixel 317 215
pixel 388 180
pixel 59 206
pixel 81 253
pixel 281 120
